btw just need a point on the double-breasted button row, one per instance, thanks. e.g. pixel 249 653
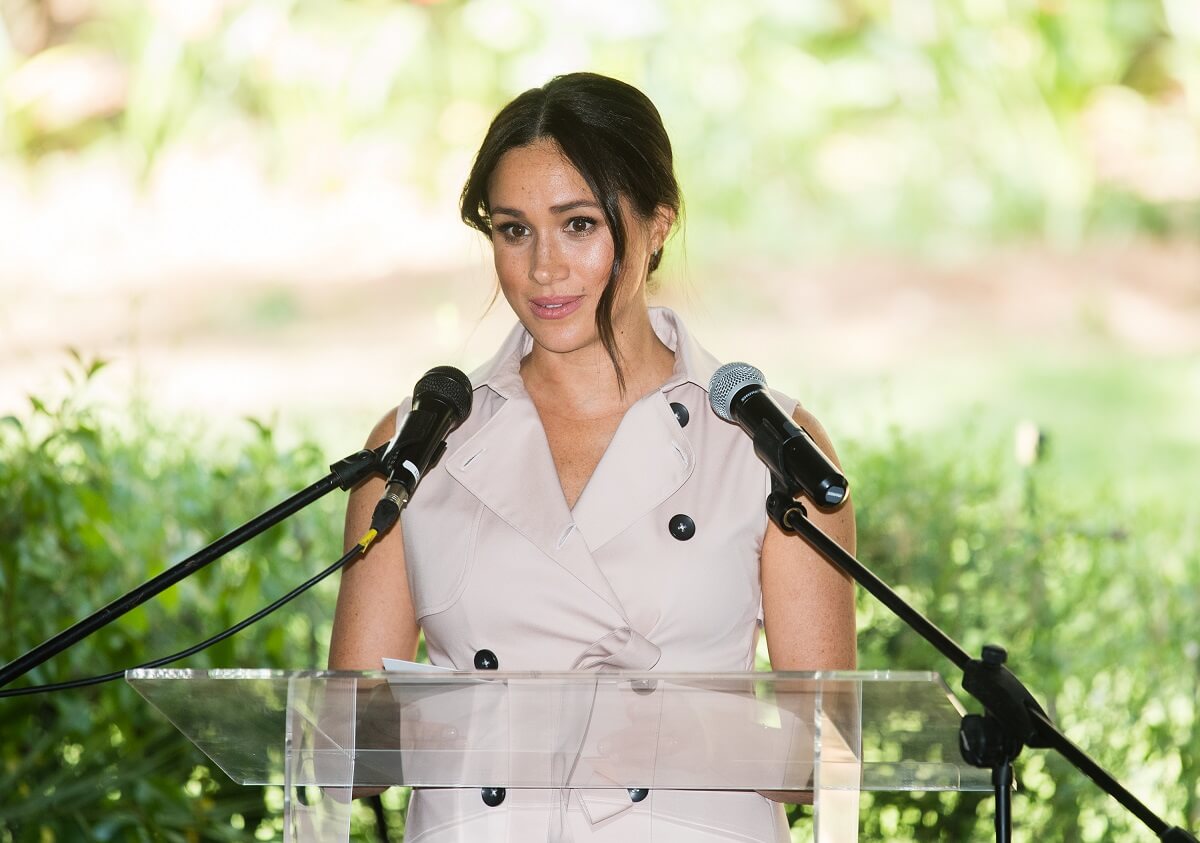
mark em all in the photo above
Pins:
pixel 681 527
pixel 494 796
pixel 486 660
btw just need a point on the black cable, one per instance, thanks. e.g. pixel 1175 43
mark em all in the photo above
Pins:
pixel 221 636
pixel 381 826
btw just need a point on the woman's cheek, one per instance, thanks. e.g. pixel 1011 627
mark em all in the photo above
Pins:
pixel 508 267
pixel 595 261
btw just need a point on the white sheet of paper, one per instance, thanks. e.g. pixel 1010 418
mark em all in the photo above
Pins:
pixel 402 666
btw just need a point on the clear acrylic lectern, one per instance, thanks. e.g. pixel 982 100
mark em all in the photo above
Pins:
pixel 319 734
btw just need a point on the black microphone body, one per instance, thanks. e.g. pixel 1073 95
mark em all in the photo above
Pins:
pixel 738 393
pixel 441 402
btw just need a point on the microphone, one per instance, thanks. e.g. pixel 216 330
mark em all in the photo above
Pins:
pixel 441 402
pixel 738 393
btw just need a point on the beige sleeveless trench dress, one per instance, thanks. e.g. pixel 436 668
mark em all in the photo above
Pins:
pixel 656 567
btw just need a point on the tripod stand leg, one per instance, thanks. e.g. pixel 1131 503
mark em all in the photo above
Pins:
pixel 1002 781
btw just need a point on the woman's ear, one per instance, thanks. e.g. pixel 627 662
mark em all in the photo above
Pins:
pixel 660 226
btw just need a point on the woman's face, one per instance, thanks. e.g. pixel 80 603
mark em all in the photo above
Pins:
pixel 554 251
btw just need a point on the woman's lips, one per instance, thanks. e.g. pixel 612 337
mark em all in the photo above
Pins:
pixel 554 307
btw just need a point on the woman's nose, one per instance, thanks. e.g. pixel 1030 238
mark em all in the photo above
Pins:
pixel 547 262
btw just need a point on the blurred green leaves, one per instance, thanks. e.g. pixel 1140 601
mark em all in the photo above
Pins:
pixel 817 125
pixel 96 502
pixel 1093 595
pixel 1088 592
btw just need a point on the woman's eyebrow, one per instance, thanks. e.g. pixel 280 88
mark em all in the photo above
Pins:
pixel 554 209
pixel 571 206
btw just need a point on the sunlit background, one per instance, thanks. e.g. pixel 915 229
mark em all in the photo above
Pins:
pixel 951 220
pixel 897 210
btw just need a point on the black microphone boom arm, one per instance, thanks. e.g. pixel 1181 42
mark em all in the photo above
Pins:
pixel 1012 718
pixel 343 474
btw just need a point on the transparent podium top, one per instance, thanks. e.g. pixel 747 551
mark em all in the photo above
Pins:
pixel 763 731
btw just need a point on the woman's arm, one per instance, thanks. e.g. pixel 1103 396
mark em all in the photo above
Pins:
pixel 374 615
pixel 808 603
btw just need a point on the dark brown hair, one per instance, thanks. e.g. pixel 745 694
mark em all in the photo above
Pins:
pixel 613 135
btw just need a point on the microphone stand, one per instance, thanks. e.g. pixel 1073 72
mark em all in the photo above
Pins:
pixel 1012 718
pixel 343 474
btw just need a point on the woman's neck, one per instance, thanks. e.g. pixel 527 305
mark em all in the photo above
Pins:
pixel 583 384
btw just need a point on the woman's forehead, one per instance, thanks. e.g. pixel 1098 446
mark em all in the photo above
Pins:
pixel 536 176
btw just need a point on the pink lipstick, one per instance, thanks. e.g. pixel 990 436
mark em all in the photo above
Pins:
pixel 554 307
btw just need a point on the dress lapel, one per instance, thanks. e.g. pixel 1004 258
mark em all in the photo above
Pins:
pixel 507 465
pixel 648 460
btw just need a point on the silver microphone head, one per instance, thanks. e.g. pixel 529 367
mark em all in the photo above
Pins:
pixel 727 382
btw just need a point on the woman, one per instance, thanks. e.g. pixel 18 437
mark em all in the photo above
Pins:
pixel 592 512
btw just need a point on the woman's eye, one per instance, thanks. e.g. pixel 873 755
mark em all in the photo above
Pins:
pixel 581 225
pixel 513 230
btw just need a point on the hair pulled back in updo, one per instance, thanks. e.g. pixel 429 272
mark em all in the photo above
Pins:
pixel 613 135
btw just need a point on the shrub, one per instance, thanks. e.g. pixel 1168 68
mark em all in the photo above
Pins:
pixel 1091 600
pixel 93 505
pixel 1094 602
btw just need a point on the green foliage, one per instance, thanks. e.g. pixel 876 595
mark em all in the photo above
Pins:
pixel 93 505
pixel 796 125
pixel 1093 600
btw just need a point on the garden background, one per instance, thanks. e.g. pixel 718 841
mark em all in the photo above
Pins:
pixel 963 232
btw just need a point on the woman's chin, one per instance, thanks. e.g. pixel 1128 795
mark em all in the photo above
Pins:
pixel 565 339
